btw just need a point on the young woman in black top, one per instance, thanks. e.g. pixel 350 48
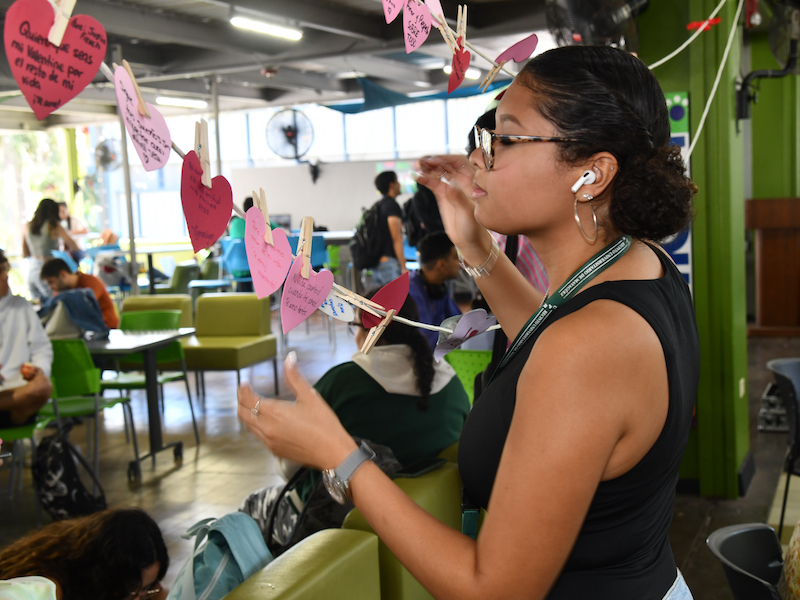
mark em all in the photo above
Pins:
pixel 575 444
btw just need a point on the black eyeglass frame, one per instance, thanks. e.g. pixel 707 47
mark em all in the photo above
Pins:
pixel 485 139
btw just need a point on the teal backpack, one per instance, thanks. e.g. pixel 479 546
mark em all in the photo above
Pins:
pixel 234 550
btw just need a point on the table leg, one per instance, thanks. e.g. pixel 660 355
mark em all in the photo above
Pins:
pixel 150 273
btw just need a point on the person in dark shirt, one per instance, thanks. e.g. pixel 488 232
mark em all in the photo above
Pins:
pixel 438 263
pixel 575 444
pixel 392 263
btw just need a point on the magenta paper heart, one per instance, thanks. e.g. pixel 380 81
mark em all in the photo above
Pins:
pixel 301 297
pixel 392 8
pixel 268 264
pixel 50 76
pixel 416 25
pixel 468 326
pixel 338 308
pixel 207 210
pixel 150 135
pixel 519 51
pixel 392 295
pixel 459 68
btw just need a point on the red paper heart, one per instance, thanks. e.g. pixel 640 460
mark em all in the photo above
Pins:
pixel 392 295
pixel 50 76
pixel 459 68
pixel 520 51
pixel 207 210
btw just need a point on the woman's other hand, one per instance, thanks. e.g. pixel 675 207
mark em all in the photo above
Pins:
pixel 306 431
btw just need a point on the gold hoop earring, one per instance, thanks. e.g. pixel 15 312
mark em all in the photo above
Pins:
pixel 589 199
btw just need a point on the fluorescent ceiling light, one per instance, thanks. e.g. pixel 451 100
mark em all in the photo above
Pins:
pixel 471 73
pixel 268 28
pixel 181 102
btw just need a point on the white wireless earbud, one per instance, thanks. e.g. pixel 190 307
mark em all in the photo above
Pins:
pixel 588 177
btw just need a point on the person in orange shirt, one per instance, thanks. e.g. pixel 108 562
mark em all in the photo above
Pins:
pixel 58 276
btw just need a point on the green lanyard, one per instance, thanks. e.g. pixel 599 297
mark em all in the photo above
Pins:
pixel 593 267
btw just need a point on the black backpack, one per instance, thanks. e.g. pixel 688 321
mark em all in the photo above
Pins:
pixel 57 481
pixel 412 224
pixel 366 247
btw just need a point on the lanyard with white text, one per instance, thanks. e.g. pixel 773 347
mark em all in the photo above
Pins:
pixel 593 267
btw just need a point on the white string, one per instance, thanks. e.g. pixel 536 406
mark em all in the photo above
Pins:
pixel 732 34
pixel 683 46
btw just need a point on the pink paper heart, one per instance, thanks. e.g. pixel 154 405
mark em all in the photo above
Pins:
pixel 392 295
pixel 268 264
pixel 392 8
pixel 416 25
pixel 207 210
pixel 150 136
pixel 50 76
pixel 435 8
pixel 520 51
pixel 459 68
pixel 301 297
pixel 469 325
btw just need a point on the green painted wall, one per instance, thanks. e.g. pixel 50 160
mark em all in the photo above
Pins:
pixel 721 438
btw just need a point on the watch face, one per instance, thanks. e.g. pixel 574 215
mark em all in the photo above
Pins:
pixel 335 486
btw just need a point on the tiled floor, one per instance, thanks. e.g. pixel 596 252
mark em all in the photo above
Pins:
pixel 212 479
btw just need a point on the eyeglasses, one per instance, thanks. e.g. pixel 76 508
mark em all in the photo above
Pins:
pixel 485 139
pixel 151 591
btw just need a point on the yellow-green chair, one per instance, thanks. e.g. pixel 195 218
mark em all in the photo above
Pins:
pixel 76 393
pixel 181 302
pixel 450 453
pixel 437 492
pixel 333 564
pixel 232 331
pixel 467 364
pixel 179 282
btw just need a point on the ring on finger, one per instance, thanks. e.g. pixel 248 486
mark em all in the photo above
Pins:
pixel 254 410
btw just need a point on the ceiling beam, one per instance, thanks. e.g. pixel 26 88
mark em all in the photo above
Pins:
pixel 375 66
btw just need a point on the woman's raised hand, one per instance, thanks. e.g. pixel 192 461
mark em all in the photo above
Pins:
pixel 306 431
pixel 450 179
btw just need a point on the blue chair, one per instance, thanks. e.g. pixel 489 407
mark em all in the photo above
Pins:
pixel 319 252
pixel 65 256
pixel 235 261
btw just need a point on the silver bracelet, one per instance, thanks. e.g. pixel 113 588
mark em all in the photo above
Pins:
pixel 482 271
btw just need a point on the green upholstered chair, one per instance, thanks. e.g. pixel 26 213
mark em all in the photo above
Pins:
pixel 334 564
pixel 171 357
pixel 232 331
pixel 467 364
pixel 437 492
pixel 179 282
pixel 450 453
pixel 76 393
pixel 181 302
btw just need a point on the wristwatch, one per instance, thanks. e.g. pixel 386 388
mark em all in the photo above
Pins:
pixel 335 480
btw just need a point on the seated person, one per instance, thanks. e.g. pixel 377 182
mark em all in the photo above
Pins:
pixel 396 396
pixel 58 276
pixel 109 555
pixel 438 262
pixel 26 356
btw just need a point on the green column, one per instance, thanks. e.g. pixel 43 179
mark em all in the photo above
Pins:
pixel 721 437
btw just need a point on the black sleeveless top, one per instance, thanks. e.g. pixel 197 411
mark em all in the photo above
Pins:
pixel 622 551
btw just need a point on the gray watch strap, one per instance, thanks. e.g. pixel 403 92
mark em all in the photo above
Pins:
pixel 349 465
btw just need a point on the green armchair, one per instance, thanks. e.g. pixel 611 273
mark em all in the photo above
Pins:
pixel 179 282
pixel 232 331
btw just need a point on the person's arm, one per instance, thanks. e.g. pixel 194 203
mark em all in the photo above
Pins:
pixel 396 231
pixel 41 350
pixel 62 233
pixel 602 425
pixel 25 250
pixel 77 226
pixel 512 298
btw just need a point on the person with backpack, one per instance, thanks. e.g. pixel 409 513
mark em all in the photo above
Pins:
pixel 110 555
pixel 382 232
pixel 26 356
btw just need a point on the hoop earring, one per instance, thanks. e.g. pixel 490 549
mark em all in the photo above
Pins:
pixel 589 199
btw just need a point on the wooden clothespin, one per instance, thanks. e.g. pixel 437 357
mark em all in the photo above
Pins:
pixel 261 204
pixel 493 72
pixel 306 232
pixel 461 25
pixel 201 149
pixel 142 104
pixel 444 29
pixel 63 11
pixel 376 332
pixel 356 300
